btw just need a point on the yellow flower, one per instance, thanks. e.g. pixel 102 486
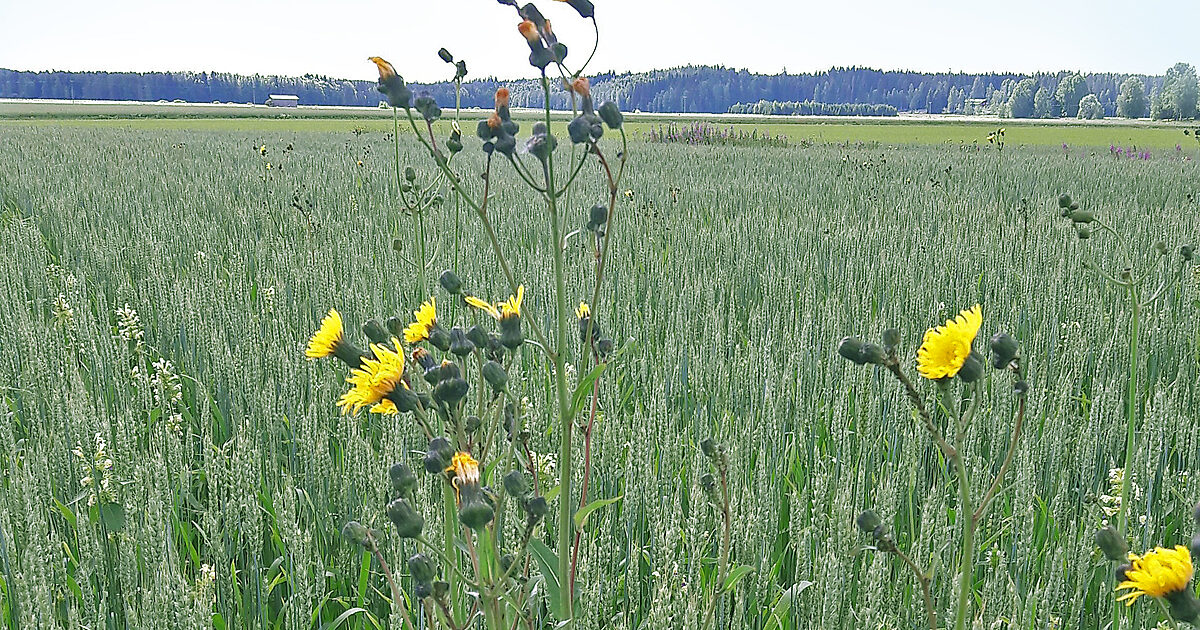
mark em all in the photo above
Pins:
pixel 375 380
pixel 945 348
pixel 426 319
pixel 386 71
pixel 465 469
pixel 483 306
pixel 583 312
pixel 325 341
pixel 512 306
pixel 385 407
pixel 1157 574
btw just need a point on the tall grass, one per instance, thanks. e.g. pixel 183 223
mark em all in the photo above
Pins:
pixel 733 277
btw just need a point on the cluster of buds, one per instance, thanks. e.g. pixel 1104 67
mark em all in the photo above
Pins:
pixel 535 507
pixel 716 455
pixel 589 331
pixel 1161 573
pixel 869 523
pixel 589 124
pixel 499 130
pixel 544 47
pixel 1082 219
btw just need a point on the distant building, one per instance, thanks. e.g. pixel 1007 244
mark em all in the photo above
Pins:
pixel 283 100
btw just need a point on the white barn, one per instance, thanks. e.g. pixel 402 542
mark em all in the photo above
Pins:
pixel 283 100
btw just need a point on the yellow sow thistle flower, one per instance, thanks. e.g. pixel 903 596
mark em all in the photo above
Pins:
pixel 945 348
pixel 584 311
pixel 1159 573
pixel 374 381
pixel 512 306
pixel 426 317
pixel 325 341
pixel 486 307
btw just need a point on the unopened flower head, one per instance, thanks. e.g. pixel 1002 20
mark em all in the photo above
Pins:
pixel 1158 573
pixel 325 341
pixel 426 319
pixel 374 380
pixel 582 87
pixel 386 71
pixel 945 348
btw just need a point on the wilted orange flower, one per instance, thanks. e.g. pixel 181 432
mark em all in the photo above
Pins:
pixel 501 98
pixel 493 121
pixel 529 31
pixel 582 87
pixel 386 71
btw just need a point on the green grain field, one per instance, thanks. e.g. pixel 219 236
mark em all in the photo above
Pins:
pixel 734 273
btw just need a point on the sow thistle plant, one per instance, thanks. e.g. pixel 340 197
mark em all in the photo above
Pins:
pixel 946 354
pixel 459 381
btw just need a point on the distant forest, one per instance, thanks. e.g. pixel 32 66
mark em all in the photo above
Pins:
pixel 692 89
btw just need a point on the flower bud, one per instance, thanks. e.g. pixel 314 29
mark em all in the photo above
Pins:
pixel 408 521
pixel 1021 388
pixel 1196 514
pixel 1187 252
pixel 709 447
pixel 1064 200
pixel 422 590
pixel 972 368
pixel 1195 548
pixel 429 108
pixel 1074 206
pixel 405 399
pixel 495 375
pixel 459 344
pixel 708 484
pixel 584 7
pixel 451 390
pixel 1160 248
pixel 374 331
pixel 867 521
pixel 455 142
pixel 851 348
pixel 1004 350
pixel 515 484
pixel 597 217
pixel 604 347
pixel 460 70
pixel 403 479
pixel 1083 231
pixel 872 353
pixel 1082 216
pixel 611 115
pixel 450 282
pixel 410 174
pixel 445 55
pixel 1121 571
pixel 355 532
pixel 1126 275
pixel 537 507
pixel 891 339
pixel 437 455
pixel 422 568
pixel 439 338
pixel 1112 544
pixel 579 129
pixel 395 326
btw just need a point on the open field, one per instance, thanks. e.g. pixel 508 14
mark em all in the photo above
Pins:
pixel 735 272
pixel 909 129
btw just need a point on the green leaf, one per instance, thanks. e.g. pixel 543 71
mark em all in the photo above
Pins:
pixel 114 516
pixel 735 575
pixel 584 388
pixel 548 564
pixel 67 513
pixel 783 606
pixel 341 619
pixel 551 493
pixel 582 515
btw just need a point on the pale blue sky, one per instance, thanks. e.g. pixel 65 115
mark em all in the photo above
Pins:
pixel 299 36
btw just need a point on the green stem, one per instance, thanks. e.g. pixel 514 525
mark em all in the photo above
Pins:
pixel 450 524
pixel 1130 410
pixel 966 569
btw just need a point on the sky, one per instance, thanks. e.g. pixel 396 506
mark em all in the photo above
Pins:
pixel 334 38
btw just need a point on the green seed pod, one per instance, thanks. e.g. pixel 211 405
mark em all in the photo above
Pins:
pixel 450 282
pixel 495 375
pixel 867 521
pixel 611 115
pixel 851 348
pixel 445 55
pixel 459 344
pixel 1083 231
pixel 422 590
pixel 451 390
pixel 355 532
pixel 1188 252
pixel 1082 216
pixel 515 484
pixel 872 353
pixel 437 455
pixel 373 329
pixel 1064 201
pixel 439 339
pixel 1112 544
pixel 472 424
pixel 408 521
pixel 1004 350
pixel 403 479
pixel 395 326
pixel 972 368
pixel 410 173
pixel 579 130
pixel 537 507
pixel 474 511
pixel 604 347
pixel 597 217
pixel 478 336
pixel 1020 388
pixel 891 339
pixel 422 568
pixel 440 589
pixel 709 447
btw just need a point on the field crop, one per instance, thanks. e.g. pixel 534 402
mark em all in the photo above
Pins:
pixel 160 282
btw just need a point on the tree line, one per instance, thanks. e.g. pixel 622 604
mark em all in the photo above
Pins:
pixel 689 89
pixel 809 108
